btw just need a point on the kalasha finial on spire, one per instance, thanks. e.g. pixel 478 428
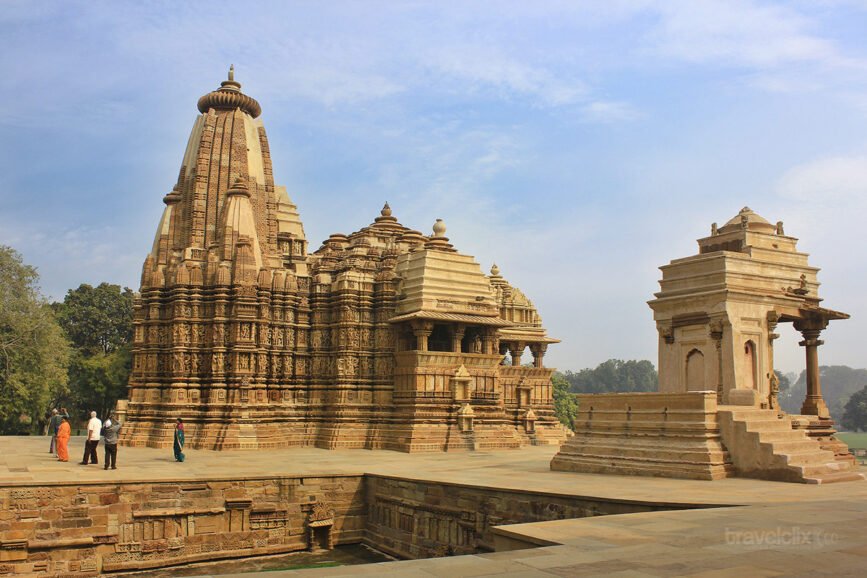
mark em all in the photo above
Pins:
pixel 231 72
pixel 386 210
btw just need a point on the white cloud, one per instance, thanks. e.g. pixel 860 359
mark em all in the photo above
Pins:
pixel 487 66
pixel 609 111
pixel 739 33
pixel 840 181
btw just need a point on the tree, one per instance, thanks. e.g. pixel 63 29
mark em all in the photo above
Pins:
pixel 855 412
pixel 565 402
pixel 97 319
pixel 33 351
pixel 98 322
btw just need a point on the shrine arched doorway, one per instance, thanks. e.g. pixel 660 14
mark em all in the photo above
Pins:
pixel 750 365
pixel 695 374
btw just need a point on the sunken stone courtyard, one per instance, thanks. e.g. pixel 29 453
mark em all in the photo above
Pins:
pixel 383 390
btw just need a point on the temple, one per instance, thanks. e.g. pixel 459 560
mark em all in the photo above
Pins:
pixel 716 413
pixel 385 338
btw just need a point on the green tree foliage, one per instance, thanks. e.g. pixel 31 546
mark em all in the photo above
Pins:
pixel 614 376
pixel 33 350
pixel 98 322
pixel 855 412
pixel 97 319
pixel 839 383
pixel 565 402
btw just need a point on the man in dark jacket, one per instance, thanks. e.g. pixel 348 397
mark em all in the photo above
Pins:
pixel 110 430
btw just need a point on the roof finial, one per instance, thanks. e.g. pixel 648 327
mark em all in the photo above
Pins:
pixel 386 210
pixel 439 229
pixel 232 72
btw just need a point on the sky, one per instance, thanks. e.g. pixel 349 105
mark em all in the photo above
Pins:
pixel 579 145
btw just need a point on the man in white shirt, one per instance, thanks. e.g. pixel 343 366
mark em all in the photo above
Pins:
pixel 94 426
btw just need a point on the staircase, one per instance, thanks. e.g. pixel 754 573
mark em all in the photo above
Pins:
pixel 763 445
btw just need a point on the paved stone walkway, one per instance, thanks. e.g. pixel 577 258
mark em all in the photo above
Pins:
pixel 780 530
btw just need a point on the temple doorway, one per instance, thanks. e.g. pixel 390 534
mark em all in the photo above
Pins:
pixel 695 371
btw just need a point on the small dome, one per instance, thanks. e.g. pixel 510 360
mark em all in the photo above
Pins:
pixel 747 219
pixel 229 97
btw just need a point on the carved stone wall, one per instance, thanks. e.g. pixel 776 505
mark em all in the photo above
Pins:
pixel 82 530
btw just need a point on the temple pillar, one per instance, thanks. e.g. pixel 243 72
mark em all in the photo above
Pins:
pixel 422 331
pixel 773 382
pixel 457 337
pixel 716 333
pixel 814 404
pixel 538 350
pixel 516 350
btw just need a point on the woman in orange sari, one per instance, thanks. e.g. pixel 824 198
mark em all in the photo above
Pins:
pixel 63 440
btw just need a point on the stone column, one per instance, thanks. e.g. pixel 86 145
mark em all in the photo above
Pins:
pixel 422 331
pixel 814 404
pixel 716 333
pixel 773 382
pixel 515 350
pixel 538 350
pixel 458 337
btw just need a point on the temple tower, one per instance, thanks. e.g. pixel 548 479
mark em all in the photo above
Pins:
pixel 223 297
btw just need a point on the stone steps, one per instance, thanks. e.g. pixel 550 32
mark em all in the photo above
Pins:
pixel 763 445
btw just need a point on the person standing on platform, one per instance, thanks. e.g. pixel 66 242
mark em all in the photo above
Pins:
pixel 53 424
pixel 179 441
pixel 93 428
pixel 109 432
pixel 63 432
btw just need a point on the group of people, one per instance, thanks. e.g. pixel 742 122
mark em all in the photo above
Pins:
pixel 60 431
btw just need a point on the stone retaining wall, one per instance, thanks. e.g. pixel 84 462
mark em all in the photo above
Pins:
pixel 421 519
pixel 85 529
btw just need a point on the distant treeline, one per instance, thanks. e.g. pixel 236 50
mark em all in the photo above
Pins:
pixel 839 383
pixel 614 376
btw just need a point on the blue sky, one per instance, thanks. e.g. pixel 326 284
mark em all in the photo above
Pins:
pixel 579 145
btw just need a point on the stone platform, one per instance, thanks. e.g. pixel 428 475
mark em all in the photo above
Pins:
pixel 781 530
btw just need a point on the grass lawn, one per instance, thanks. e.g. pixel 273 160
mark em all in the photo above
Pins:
pixel 854 440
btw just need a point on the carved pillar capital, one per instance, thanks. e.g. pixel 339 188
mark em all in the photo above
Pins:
pixel 516 349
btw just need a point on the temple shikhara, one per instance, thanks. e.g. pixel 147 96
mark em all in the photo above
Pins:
pixel 383 338
pixel 716 414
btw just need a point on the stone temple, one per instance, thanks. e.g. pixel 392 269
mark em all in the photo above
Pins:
pixel 385 338
pixel 716 414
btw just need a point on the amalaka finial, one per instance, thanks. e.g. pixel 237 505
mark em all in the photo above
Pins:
pixel 232 72
pixel 239 187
